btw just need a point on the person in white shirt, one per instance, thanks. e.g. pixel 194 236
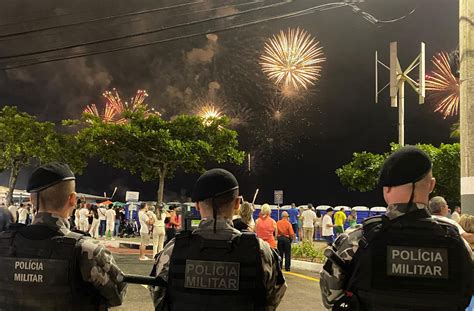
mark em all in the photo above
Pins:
pixel 308 218
pixel 145 222
pixel 14 210
pixel 456 215
pixel 84 218
pixel 22 214
pixel 102 219
pixel 94 229
pixel 110 218
pixel 328 227
pixel 439 209
pixel 158 234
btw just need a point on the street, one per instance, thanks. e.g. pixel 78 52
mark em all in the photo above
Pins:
pixel 302 293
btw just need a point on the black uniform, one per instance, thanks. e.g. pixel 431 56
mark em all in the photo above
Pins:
pixel 404 260
pixel 217 267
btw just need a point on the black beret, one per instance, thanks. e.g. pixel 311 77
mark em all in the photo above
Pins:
pixel 406 165
pixel 214 183
pixel 49 175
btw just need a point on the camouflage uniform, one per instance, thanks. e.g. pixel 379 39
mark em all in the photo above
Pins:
pixel 225 231
pixel 96 263
pixel 346 245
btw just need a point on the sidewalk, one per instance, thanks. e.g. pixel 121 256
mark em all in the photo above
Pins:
pixel 127 245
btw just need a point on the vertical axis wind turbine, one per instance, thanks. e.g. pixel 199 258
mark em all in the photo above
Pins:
pixel 398 77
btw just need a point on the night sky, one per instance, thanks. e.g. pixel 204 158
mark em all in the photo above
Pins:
pixel 319 130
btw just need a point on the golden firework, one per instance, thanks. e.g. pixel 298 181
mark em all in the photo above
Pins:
pixel 292 59
pixel 443 86
pixel 209 112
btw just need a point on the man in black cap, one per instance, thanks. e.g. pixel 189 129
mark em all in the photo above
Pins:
pixel 217 267
pixel 404 260
pixel 45 265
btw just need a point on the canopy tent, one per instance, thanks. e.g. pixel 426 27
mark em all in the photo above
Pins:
pixel 106 203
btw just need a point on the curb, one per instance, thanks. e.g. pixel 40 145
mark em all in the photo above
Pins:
pixel 306 266
pixel 121 244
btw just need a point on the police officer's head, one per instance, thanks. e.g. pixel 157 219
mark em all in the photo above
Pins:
pixel 52 188
pixel 216 193
pixel 406 176
pixel 438 206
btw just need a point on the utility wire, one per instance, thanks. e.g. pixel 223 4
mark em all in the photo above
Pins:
pixel 148 32
pixel 15 34
pixel 196 34
pixel 310 10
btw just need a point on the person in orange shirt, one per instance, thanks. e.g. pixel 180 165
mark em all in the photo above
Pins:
pixel 265 226
pixel 285 236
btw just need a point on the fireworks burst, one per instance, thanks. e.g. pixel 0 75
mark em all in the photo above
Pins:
pixel 444 85
pixel 292 60
pixel 209 111
pixel 115 107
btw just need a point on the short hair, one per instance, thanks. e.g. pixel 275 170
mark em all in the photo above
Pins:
pixel 246 212
pixel 222 201
pixel 266 209
pixel 436 204
pixel 329 209
pixel 142 205
pixel 467 223
pixel 55 197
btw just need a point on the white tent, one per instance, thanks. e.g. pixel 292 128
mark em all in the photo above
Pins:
pixel 323 207
pixel 378 209
pixel 360 208
pixel 346 208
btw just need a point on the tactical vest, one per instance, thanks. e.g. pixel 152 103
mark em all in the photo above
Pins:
pixel 215 275
pixel 39 271
pixel 412 262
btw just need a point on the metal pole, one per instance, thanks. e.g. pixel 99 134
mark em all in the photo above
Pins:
pixel 466 56
pixel 401 113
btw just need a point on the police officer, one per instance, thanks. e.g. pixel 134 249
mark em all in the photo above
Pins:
pixel 46 266
pixel 216 267
pixel 404 260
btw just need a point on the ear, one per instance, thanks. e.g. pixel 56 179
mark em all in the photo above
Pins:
pixel 236 203
pixel 72 199
pixel 432 184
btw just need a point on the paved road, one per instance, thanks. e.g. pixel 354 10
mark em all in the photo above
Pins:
pixel 302 293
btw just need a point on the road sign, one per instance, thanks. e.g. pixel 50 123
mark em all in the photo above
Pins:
pixel 132 196
pixel 278 196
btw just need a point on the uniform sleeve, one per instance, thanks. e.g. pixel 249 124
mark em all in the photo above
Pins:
pixel 275 288
pixel 98 267
pixel 161 270
pixel 332 278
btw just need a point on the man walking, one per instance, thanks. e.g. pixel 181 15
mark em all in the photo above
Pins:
pixel 308 218
pixel 293 218
pixel 328 227
pixel 102 220
pixel 286 235
pixel 339 221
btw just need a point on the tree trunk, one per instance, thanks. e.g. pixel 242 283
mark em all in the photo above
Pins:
pixel 161 184
pixel 15 171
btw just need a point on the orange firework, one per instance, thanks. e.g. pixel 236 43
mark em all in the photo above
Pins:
pixel 115 107
pixel 444 86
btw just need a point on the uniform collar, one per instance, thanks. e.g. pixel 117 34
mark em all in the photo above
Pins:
pixel 224 229
pixel 400 209
pixel 52 220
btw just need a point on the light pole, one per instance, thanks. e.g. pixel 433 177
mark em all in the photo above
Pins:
pixel 466 112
